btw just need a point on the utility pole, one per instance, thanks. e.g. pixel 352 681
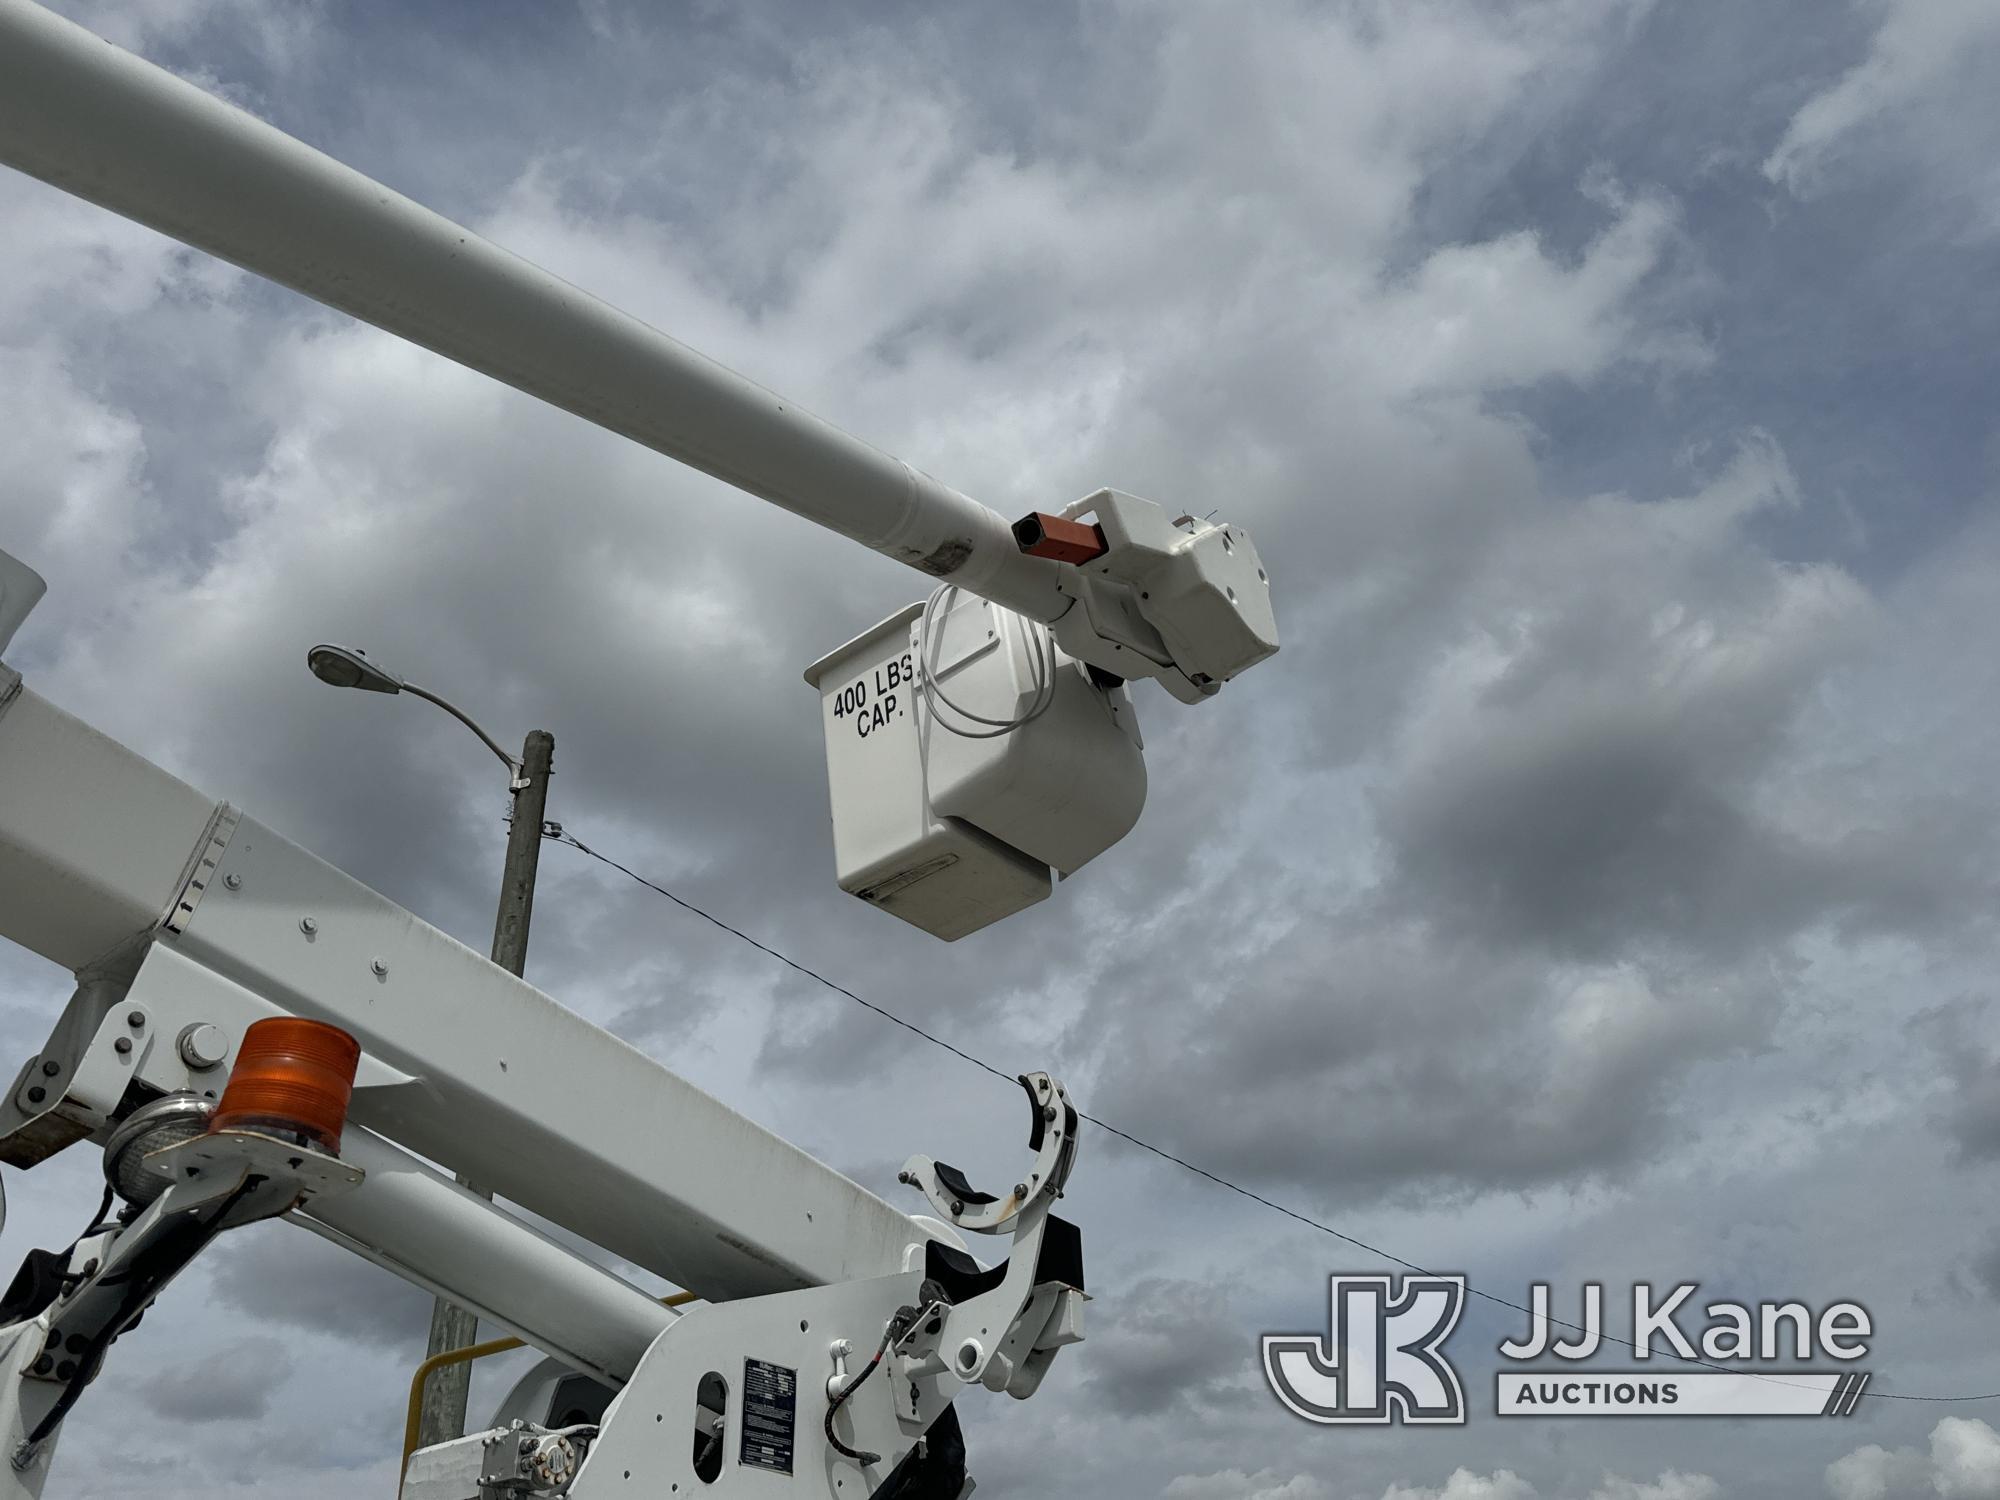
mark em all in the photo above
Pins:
pixel 442 1416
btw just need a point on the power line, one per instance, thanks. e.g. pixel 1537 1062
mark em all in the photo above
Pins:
pixel 558 835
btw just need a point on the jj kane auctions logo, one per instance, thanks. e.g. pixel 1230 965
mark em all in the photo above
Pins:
pixel 1382 1359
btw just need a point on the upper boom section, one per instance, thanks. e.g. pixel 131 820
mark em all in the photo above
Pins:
pixel 1181 601
pixel 96 121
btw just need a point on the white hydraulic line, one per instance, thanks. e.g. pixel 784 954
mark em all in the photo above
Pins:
pixel 98 122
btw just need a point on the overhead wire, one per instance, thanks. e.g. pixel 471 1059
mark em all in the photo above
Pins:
pixel 562 836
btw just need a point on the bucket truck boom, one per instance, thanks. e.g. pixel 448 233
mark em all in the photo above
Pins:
pixel 1108 589
pixel 189 925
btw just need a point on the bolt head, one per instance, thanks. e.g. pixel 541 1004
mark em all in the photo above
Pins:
pixel 123 1045
pixel 379 969
pixel 308 926
pixel 203 1045
pixel 136 1020
pixel 233 881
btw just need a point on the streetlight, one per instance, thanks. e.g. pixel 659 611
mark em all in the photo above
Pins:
pixel 452 1327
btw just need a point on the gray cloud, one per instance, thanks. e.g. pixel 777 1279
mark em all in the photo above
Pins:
pixel 279 1273
pixel 1162 1346
pixel 1959 1038
pixel 234 1383
pixel 1620 798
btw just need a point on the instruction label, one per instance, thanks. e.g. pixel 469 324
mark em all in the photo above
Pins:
pixel 770 1416
pixel 877 698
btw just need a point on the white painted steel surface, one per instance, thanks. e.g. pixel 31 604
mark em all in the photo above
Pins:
pixel 526 1097
pixel 941 875
pixel 94 839
pixel 429 1230
pixel 530 1100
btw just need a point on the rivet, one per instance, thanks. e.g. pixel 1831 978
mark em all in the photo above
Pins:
pixel 50 1067
pixel 37 1094
pixel 123 1045
pixel 136 1019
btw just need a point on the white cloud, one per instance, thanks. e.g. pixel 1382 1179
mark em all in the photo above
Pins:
pixel 1928 65
pixel 1963 1464
pixel 1965 1453
pixel 1234 1484
pixel 1504 312
pixel 1501 1484
pixel 1504 1484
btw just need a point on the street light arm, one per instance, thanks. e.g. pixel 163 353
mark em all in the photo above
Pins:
pixel 512 763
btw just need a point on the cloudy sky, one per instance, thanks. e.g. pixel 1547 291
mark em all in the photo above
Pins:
pixel 1599 885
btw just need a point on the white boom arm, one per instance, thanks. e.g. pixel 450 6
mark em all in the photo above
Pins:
pixel 186 922
pixel 110 866
pixel 1184 601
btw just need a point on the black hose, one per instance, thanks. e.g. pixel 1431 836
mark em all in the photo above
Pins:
pixel 860 1456
pixel 164 1261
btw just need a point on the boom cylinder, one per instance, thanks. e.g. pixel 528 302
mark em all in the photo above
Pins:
pixel 427 1229
pixel 98 122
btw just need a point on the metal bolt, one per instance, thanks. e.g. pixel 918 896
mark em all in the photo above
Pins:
pixel 37 1094
pixel 66 1369
pixel 203 1045
pixel 136 1019
pixel 44 1365
pixel 50 1067
pixel 379 969
pixel 1049 1113
pixel 908 1179
pixel 123 1045
pixel 233 881
pixel 957 1207
pixel 1020 1190
pixel 308 926
pixel 76 1343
